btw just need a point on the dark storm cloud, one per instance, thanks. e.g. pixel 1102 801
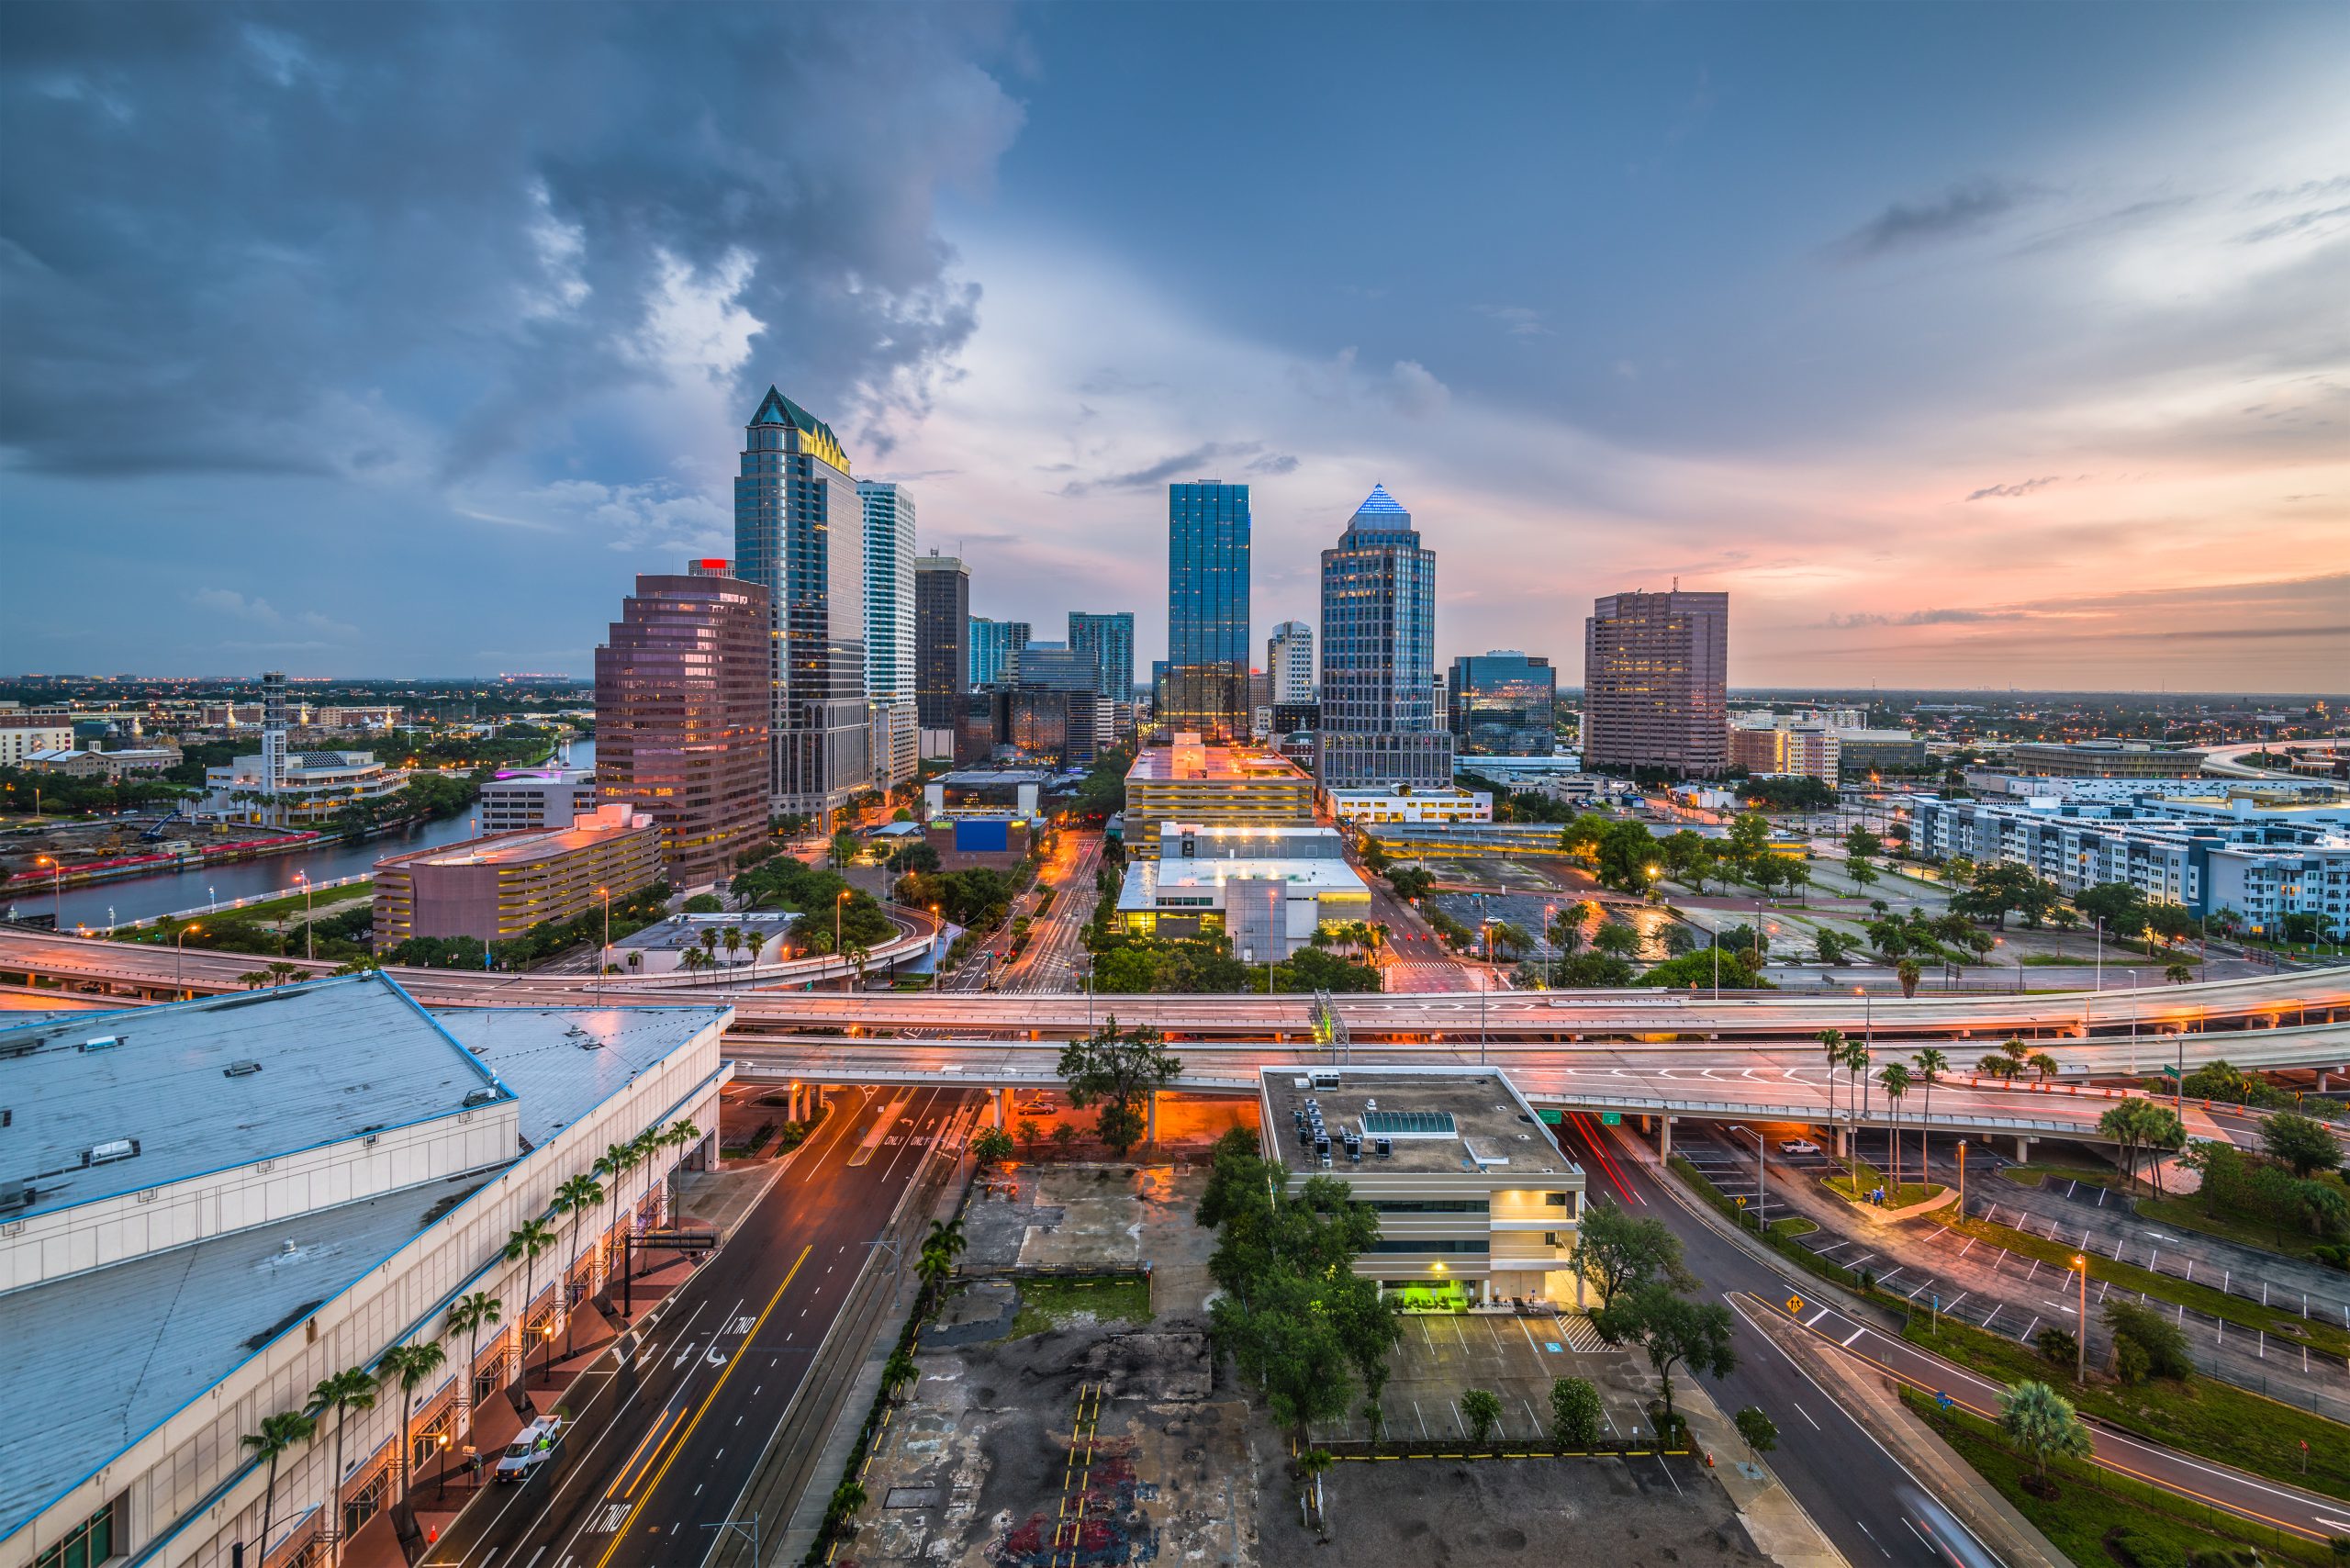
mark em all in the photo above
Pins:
pixel 324 239
pixel 1963 210
pixel 1189 463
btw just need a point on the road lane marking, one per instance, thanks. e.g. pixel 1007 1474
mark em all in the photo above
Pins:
pixel 1806 1415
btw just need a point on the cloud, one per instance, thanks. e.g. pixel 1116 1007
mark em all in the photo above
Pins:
pixel 1521 321
pixel 255 610
pixel 1966 209
pixel 1406 387
pixel 1192 464
pixel 2026 488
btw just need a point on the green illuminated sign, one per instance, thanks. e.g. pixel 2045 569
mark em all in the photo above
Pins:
pixel 1611 1118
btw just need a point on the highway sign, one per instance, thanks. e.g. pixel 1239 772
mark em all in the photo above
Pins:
pixel 1552 1117
pixel 1611 1118
pixel 1941 1399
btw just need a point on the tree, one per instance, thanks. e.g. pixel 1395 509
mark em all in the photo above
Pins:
pixel 1927 1065
pixel 1029 1131
pixel 469 1315
pixel 1761 1433
pixel 2058 1346
pixel 575 1198
pixel 1616 939
pixel 1895 1080
pixel 1675 1331
pixel 993 1145
pixel 1411 883
pixel 278 1434
pixel 1482 1408
pixel 1909 971
pixel 2300 1142
pixel 2040 1422
pixel 410 1366
pixel 1833 1043
pixel 1283 1345
pixel 1574 1413
pixel 898 1369
pixel 351 1389
pixel 1064 1136
pixel 1117 1069
pixel 617 1161
pixel 529 1239
pixel 1621 1252
pixel 2160 1343
pixel 2044 1064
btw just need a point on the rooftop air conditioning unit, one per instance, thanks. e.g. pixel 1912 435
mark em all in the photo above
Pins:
pixel 113 1150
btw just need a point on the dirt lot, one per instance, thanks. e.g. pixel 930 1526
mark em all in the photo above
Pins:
pixel 1097 1442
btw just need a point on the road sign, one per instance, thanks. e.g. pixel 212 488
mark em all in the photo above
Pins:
pixel 1795 1304
pixel 1552 1117
pixel 1941 1399
pixel 1611 1118
pixel 2169 1071
pixel 1742 1203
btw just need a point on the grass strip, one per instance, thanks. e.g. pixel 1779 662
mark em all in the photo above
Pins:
pixel 2250 1315
pixel 2189 1213
pixel 1048 1303
pixel 2202 1416
pixel 2097 1517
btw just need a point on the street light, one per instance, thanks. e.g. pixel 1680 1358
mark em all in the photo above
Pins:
pixel 604 954
pixel 55 886
pixel 309 949
pixel 839 899
pixel 175 953
pixel 2081 1344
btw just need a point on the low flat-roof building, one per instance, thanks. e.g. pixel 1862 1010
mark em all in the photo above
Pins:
pixel 497 887
pixel 218 1203
pixel 1265 889
pixel 1474 1196
pixel 314 786
pixel 1192 782
pixel 2103 759
pixel 530 798
pixel 1412 803
pixel 103 763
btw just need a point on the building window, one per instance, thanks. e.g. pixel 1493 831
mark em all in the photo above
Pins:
pixel 88 1544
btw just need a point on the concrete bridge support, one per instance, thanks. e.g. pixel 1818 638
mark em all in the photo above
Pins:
pixel 2023 1148
pixel 1664 1137
pixel 1150 1118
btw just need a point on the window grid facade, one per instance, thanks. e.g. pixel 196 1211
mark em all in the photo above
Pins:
pixel 1378 693
pixel 1656 682
pixel 1500 703
pixel 1206 689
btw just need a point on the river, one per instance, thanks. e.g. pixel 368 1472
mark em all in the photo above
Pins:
pixel 169 893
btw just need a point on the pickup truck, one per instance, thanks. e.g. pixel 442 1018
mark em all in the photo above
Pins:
pixel 531 1446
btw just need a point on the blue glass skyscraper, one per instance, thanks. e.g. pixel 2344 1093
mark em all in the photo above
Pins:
pixel 1109 641
pixel 1380 723
pixel 1207 611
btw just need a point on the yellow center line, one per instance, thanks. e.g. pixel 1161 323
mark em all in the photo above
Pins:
pixel 685 1431
pixel 620 1481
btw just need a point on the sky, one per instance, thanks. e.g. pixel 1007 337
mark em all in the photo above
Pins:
pixel 1962 346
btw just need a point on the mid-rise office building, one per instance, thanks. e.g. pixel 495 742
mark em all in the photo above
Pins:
pixel 1864 755
pixel 23 733
pixel 942 637
pixel 682 714
pixel 799 534
pixel 1191 782
pixel 1378 694
pixel 499 886
pixel 1500 703
pixel 1786 750
pixel 1656 682
pixel 1108 639
pixel 995 650
pixel 535 797
pixel 1288 661
pixel 890 673
pixel 1207 688
pixel 2104 759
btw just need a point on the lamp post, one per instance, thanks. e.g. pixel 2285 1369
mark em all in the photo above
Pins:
pixel 176 956
pixel 2081 1344
pixel 310 947
pixel 2133 1023
pixel 604 954
pixel 838 899
pixel 56 887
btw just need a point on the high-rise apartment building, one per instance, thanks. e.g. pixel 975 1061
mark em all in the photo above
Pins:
pixel 995 650
pixel 1109 641
pixel 799 533
pixel 1289 659
pixel 889 630
pixel 942 637
pixel 1499 703
pixel 1207 611
pixel 1379 709
pixel 1656 682
pixel 683 715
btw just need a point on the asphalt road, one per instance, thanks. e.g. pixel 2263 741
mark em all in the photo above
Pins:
pixel 1850 1486
pixel 662 1445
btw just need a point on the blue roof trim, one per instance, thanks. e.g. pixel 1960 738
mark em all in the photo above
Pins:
pixel 1379 503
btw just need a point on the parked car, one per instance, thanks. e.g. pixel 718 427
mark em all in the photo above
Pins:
pixel 531 1446
pixel 1797 1146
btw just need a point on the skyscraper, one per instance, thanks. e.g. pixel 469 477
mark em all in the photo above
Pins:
pixel 1656 682
pixel 995 650
pixel 1109 641
pixel 890 629
pixel 942 637
pixel 1500 703
pixel 799 533
pixel 1378 710
pixel 1289 659
pixel 682 714
pixel 1207 611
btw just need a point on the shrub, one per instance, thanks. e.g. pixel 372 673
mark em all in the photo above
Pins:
pixel 2160 1341
pixel 1574 1413
pixel 2058 1345
pixel 2145 1551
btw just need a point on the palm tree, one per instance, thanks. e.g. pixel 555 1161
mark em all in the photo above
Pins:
pixel 2043 1064
pixel 755 939
pixel 617 1161
pixel 709 947
pixel 1909 971
pixel 409 1365
pixel 254 980
pixel 2016 1050
pixel 346 1391
pixel 575 1198
pixel 277 1434
pixel 1929 1066
pixel 280 971
pixel 469 1316
pixel 1832 1042
pixel 733 937
pixel 1895 1079
pixel 1991 1064
pixel 529 1239
pixel 2039 1421
pixel 1857 1057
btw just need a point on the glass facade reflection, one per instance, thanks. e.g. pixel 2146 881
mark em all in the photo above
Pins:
pixel 1499 703
pixel 1207 611
pixel 1109 641
pixel 1378 696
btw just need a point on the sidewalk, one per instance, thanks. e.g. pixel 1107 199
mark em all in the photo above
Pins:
pixel 1777 1524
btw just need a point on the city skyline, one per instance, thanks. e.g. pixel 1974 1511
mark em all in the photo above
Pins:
pixel 2029 399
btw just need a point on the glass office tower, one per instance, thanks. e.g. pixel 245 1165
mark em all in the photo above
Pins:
pixel 1109 641
pixel 942 637
pixel 995 650
pixel 1500 703
pixel 1379 708
pixel 1207 611
pixel 799 533
pixel 889 630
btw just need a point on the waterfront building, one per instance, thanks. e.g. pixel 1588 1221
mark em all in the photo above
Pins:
pixel 502 884
pixel 1378 697
pixel 304 789
pixel 890 656
pixel 1500 703
pixel 1191 782
pixel 682 714
pixel 1266 890
pixel 799 534
pixel 246 1194
pixel 1207 688
pixel 942 638
pixel 2103 759
pixel 1476 1201
pixel 1108 639
pixel 995 650
pixel 1289 660
pixel 1656 682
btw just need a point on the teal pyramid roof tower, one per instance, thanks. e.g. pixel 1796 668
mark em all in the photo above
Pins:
pixel 774 409
pixel 1379 509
